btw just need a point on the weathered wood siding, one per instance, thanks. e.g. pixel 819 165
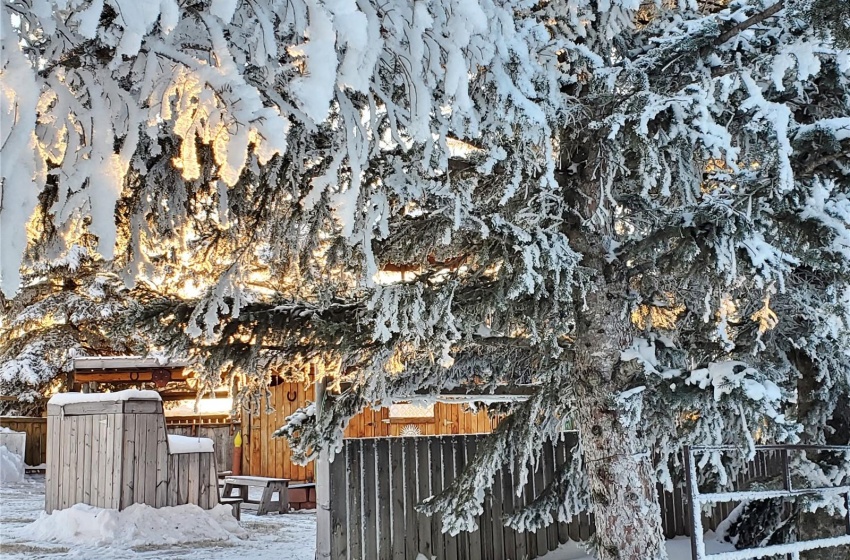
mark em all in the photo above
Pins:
pixel 36 430
pixel 221 434
pixel 373 486
pixel 263 455
pixel 115 454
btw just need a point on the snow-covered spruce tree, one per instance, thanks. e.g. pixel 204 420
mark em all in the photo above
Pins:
pixel 63 310
pixel 641 208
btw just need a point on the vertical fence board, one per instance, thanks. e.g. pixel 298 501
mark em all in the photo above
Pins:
pixel 497 528
pixel 370 510
pixel 382 472
pixel 53 464
pixel 547 469
pixel 397 499
pixel 508 493
pixel 425 544
pixel 452 545
pixel 339 515
pixel 481 540
pixel 436 475
pixel 410 480
pixel 353 495
pixel 561 463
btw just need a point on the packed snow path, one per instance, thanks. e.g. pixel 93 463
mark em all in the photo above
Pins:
pixel 278 537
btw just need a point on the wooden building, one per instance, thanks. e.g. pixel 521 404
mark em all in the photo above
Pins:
pixel 263 455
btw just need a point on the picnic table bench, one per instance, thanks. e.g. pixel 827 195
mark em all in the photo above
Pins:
pixel 270 486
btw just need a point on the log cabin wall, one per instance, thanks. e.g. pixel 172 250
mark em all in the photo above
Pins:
pixel 263 455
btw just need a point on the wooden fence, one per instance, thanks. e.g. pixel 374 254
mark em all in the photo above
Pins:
pixel 221 434
pixel 36 430
pixel 371 489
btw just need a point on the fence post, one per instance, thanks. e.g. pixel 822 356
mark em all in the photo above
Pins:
pixel 323 498
pixel 693 506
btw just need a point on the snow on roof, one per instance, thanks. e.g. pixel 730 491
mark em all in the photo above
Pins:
pixel 62 399
pixel 187 444
pixel 117 362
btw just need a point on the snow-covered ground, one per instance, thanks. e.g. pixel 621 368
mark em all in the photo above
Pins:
pixel 26 534
pixel 80 535
pixel 677 549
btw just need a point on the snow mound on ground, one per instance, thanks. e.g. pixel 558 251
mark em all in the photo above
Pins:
pixel 138 525
pixel 11 466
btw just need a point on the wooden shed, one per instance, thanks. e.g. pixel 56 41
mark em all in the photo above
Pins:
pixel 111 450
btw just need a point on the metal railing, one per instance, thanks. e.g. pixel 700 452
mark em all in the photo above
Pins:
pixel 792 550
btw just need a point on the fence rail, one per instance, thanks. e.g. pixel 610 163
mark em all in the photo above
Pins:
pixel 374 484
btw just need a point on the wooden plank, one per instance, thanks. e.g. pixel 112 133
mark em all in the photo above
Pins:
pixel 478 542
pixel 69 435
pixel 140 459
pixel 98 459
pixel 173 497
pixel 397 498
pixel 353 495
pixel 142 407
pixel 529 537
pixel 508 497
pixel 151 457
pixel 436 475
pixel 128 459
pixel 548 468
pixel 539 485
pixel 370 511
pixel 183 479
pixel 409 480
pixel 680 512
pixel 95 407
pixel 339 507
pixel 454 546
pixel 424 542
pixel 79 487
pixel 53 464
pixel 162 464
pixel 88 432
pixel 561 463
pixel 382 447
pixel 497 527
pixel 212 484
pixel 202 482
pixel 193 474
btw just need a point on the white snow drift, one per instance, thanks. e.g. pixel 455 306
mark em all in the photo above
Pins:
pixel 138 525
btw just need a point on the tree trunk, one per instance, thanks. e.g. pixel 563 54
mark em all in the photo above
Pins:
pixel 618 461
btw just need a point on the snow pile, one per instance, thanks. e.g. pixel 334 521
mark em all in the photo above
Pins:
pixel 62 399
pixel 187 444
pixel 11 466
pixel 5 430
pixel 138 525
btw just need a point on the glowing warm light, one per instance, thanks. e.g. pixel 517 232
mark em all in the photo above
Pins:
pixel 765 317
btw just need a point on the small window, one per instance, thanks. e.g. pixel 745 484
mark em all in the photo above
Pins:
pixel 412 411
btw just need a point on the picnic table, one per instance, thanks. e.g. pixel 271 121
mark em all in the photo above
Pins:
pixel 270 486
